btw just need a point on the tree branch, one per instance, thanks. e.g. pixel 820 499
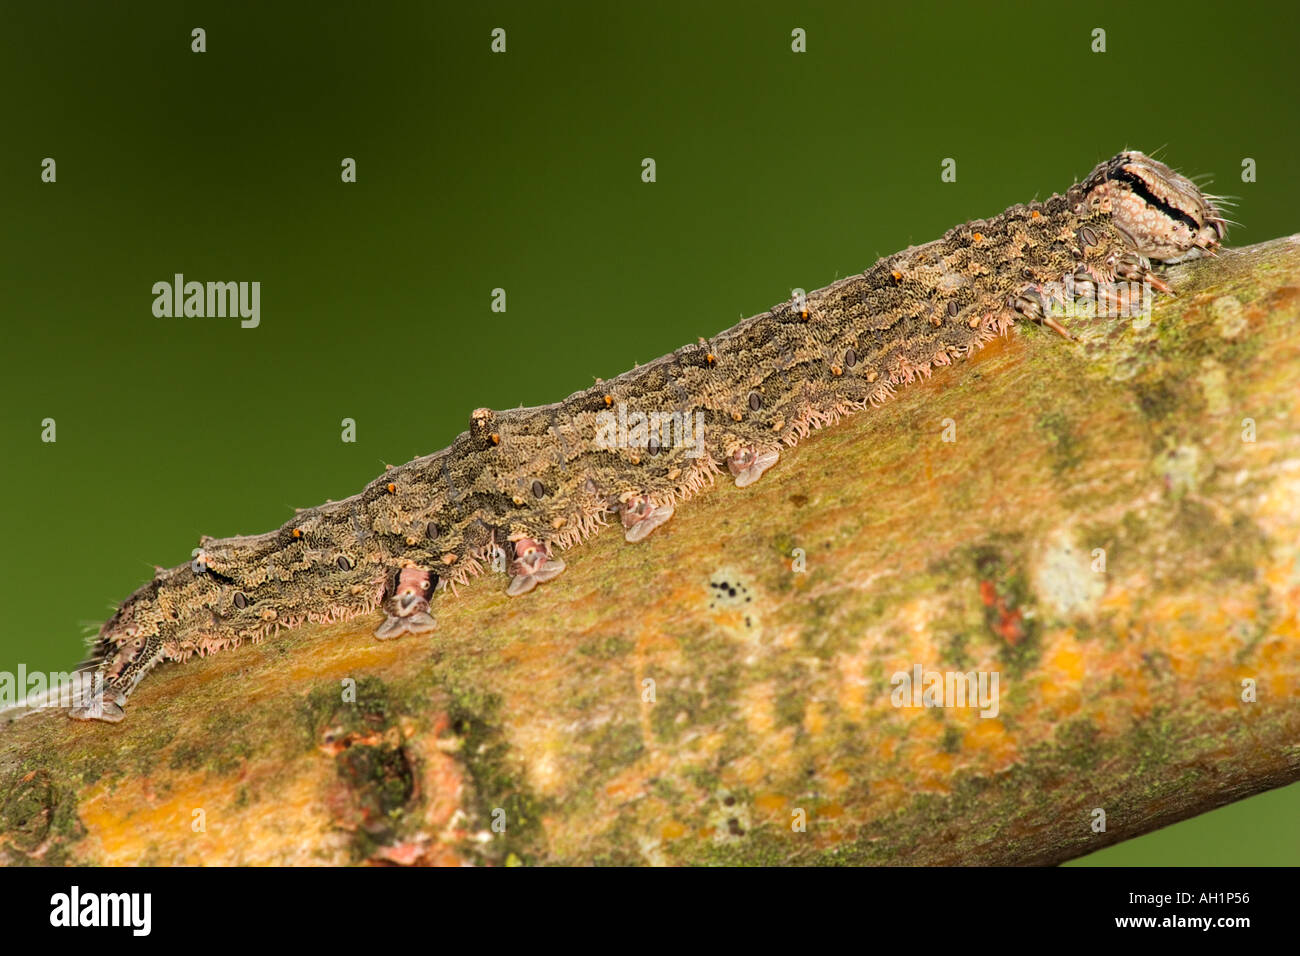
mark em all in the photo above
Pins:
pixel 1120 689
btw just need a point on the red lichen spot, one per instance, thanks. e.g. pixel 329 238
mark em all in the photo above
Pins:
pixel 1006 623
pixel 1009 626
pixel 392 488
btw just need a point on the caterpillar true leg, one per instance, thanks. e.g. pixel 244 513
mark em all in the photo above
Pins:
pixel 1032 304
pixel 408 608
pixel 748 463
pixel 532 566
pixel 1132 267
pixel 640 516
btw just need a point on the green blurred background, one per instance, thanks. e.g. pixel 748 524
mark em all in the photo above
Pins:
pixel 520 171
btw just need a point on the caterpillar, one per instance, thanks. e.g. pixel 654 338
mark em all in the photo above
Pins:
pixel 520 486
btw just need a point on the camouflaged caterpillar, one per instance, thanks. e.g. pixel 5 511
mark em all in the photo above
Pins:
pixel 528 482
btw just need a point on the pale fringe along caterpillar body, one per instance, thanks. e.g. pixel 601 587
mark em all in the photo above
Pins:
pixel 521 485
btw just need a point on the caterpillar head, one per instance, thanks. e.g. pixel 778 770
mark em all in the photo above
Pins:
pixel 1162 215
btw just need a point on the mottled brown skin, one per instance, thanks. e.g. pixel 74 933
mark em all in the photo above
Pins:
pixel 530 481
